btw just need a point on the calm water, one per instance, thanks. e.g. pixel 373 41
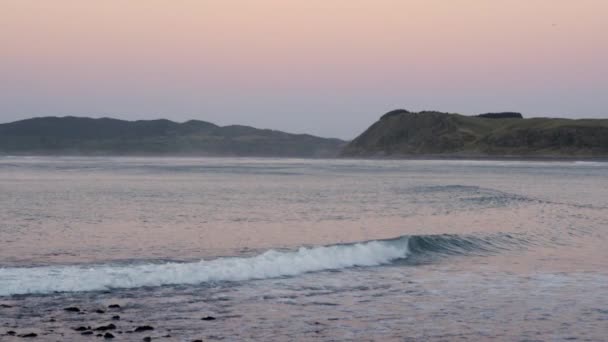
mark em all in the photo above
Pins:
pixel 304 249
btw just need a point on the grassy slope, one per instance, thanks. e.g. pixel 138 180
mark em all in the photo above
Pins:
pixel 434 133
pixel 71 135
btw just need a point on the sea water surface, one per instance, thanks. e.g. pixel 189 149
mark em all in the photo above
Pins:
pixel 289 249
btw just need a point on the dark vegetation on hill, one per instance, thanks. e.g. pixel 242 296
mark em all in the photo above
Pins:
pixel 87 136
pixel 401 133
pixel 502 115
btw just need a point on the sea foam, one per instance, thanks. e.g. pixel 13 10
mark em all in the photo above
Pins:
pixel 271 264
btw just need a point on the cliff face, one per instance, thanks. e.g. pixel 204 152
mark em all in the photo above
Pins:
pixel 403 133
pixel 87 136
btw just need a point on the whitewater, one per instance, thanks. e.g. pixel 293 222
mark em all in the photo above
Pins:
pixel 271 264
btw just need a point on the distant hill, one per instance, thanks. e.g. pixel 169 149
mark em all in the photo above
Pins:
pixel 401 133
pixel 86 136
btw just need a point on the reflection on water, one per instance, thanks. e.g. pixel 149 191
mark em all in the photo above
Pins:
pixel 476 250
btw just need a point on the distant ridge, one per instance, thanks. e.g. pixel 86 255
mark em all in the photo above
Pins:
pixel 106 136
pixel 502 115
pixel 401 133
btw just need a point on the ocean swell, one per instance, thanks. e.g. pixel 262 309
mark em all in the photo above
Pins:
pixel 271 264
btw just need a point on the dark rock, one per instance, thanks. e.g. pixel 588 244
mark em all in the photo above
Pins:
pixel 52 320
pixel 82 328
pixel 197 340
pixel 72 309
pixel 114 306
pixel 108 335
pixel 116 318
pixel 86 333
pixel 106 327
pixel 208 318
pixel 5 306
pixel 99 335
pixel 147 339
pixel 11 333
pixel 143 328
pixel 99 311
pixel 28 335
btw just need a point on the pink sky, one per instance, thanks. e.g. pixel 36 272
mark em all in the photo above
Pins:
pixel 329 67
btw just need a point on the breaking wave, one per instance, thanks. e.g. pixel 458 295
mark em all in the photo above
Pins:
pixel 271 264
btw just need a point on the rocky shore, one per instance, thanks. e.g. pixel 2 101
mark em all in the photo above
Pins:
pixel 76 322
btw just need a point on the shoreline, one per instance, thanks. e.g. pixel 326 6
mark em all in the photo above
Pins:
pixel 544 158
pixel 429 157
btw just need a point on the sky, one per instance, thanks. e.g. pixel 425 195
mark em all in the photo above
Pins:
pixel 326 67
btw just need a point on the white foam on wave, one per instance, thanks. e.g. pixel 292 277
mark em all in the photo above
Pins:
pixel 590 163
pixel 271 264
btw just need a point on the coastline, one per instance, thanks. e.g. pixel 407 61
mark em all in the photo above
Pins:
pixel 445 157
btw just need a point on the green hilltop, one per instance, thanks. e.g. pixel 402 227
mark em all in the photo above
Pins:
pixel 401 133
pixel 86 136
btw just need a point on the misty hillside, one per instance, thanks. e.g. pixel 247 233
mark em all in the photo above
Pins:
pixel 87 136
pixel 404 133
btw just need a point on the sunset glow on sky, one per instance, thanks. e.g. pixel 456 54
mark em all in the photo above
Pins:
pixel 327 67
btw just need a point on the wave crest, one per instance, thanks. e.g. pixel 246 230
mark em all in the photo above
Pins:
pixel 271 264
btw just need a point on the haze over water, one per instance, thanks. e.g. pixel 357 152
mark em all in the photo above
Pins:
pixel 283 249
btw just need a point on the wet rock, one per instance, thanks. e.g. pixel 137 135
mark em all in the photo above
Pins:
pixel 72 309
pixel 11 333
pixel 86 333
pixel 99 335
pixel 116 318
pixel 99 311
pixel 105 327
pixel 82 328
pixel 208 318
pixel 147 339
pixel 28 335
pixel 197 340
pixel 108 335
pixel 114 306
pixel 143 328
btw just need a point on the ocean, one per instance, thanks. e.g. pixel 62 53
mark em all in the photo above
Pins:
pixel 247 249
